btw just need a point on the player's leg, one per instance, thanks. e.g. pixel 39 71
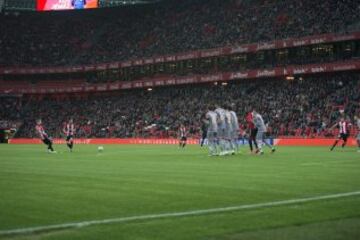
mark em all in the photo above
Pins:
pixel 228 148
pixel 203 139
pixel 254 140
pixel 236 142
pixel 259 139
pixel 233 143
pixel 335 143
pixel 222 142
pixel 344 138
pixel 255 131
pixel 267 143
pixel 228 145
pixel 69 142
pixel 184 142
pixel 212 143
pixel 49 143
pixel 72 143
pixel 358 141
pixel 250 143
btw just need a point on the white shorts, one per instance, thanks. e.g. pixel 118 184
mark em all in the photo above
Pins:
pixel 221 133
pixel 211 135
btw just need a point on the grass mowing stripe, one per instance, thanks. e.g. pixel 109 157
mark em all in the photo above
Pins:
pixel 24 231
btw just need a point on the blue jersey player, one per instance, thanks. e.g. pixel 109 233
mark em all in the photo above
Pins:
pixel 78 4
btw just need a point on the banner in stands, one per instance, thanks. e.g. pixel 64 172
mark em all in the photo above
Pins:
pixel 154 82
pixel 50 5
pixel 101 141
pixel 292 42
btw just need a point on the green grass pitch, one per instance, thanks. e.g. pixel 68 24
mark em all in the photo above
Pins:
pixel 40 189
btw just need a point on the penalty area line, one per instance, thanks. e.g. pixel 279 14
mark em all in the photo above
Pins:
pixel 57 227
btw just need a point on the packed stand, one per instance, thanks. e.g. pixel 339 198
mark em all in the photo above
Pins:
pixel 68 38
pixel 301 107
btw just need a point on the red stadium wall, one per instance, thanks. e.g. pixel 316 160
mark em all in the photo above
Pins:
pixel 104 141
pixel 279 142
pixel 310 142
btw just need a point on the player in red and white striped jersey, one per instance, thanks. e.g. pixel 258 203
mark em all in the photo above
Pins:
pixel 344 132
pixel 183 136
pixel 44 136
pixel 69 131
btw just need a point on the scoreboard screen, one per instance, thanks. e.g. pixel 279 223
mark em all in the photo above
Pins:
pixel 51 5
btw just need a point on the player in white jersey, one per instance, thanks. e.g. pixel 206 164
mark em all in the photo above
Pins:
pixel 212 131
pixel 234 129
pixel 229 149
pixel 261 134
pixel 221 129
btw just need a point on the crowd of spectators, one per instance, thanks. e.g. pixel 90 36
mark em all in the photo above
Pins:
pixel 302 107
pixel 68 38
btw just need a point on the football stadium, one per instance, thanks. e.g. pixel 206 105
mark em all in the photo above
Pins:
pixel 179 119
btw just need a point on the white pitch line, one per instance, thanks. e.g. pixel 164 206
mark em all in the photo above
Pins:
pixel 55 227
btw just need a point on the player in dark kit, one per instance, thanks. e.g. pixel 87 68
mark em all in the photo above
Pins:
pixel 343 132
pixel 252 131
pixel 44 136
pixel 183 136
pixel 69 130
pixel 204 129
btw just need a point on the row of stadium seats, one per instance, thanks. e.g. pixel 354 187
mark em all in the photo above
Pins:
pixel 306 107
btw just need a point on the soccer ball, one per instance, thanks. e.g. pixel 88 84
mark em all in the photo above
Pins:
pixel 100 148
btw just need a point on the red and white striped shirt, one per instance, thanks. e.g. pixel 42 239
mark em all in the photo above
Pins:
pixel 343 127
pixel 69 129
pixel 182 132
pixel 41 131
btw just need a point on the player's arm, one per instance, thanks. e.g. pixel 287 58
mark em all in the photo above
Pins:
pixel 333 126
